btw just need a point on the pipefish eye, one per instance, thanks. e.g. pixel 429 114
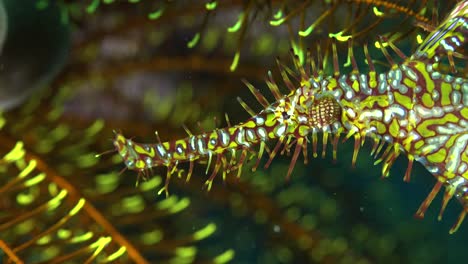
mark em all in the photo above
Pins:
pixel 130 163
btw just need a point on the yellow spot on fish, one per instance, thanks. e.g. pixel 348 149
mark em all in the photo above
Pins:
pixel 445 92
pixel 394 128
pixel 438 156
pixel 372 80
pixel 250 124
pixel 427 100
pixel 426 132
pixel 381 128
pixel 181 144
pixel 381 100
pixel 270 121
pixel 409 83
pixel 464 112
pixel 355 86
pixel 141 150
pixel 419 144
pixel 303 130
pixel 120 138
pixel 166 145
pixel 140 164
pixel 403 100
pixel 332 84
pixel 421 67
pixel 451 141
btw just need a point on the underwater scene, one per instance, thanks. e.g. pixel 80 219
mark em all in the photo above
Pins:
pixel 242 131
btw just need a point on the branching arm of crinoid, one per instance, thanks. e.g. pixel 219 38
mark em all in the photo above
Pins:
pixel 363 19
pixel 43 212
pixel 49 211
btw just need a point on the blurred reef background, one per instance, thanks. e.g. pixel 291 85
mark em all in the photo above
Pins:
pixel 71 72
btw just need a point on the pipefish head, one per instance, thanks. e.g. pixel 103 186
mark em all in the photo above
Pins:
pixel 125 149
